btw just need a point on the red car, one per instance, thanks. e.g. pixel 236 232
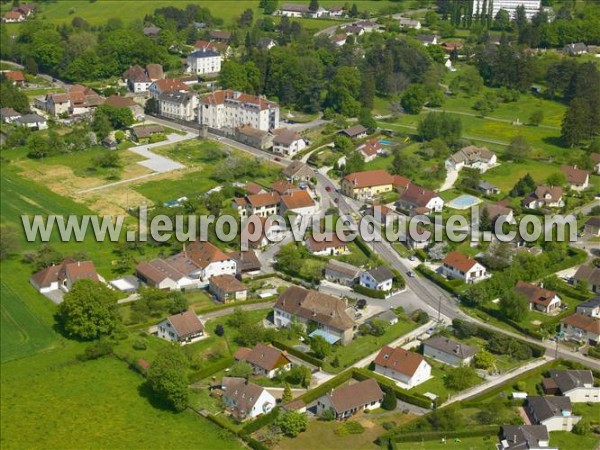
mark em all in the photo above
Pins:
pixel 328 188
pixel 277 158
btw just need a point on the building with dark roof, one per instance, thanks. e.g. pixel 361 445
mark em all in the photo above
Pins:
pixel 178 105
pixel 341 272
pixel 578 385
pixel 349 399
pixel 379 279
pixel 448 351
pixel 244 399
pixel 227 288
pixel 556 413
pixel 184 328
pixel 265 360
pixel 525 437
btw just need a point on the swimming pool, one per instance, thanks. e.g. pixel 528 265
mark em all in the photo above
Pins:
pixel 386 142
pixel 464 201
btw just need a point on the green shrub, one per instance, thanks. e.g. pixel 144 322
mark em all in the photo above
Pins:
pixel 373 293
pixel 139 345
pixel 98 349
pixel 209 370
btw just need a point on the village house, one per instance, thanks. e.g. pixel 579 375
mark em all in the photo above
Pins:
pixel 58 104
pixel 151 31
pixel 9 115
pixel 339 39
pixel 540 299
pixel 352 398
pixel 405 22
pixel 32 121
pixel 577 179
pixel 556 413
pixel 448 351
pixel 525 437
pixel 120 102
pixel 417 199
pixel 146 131
pixel 341 273
pixel 388 317
pixel 62 276
pixel 487 188
pixel 298 202
pixel 590 308
pixel 328 245
pixel 246 261
pixel 380 279
pixel 139 79
pixel 284 187
pixel 204 61
pixel 166 85
pixel 596 161
pixel 16 76
pixel 332 315
pixel 592 226
pixel 575 49
pixel 269 232
pixel 428 40
pixel 184 328
pixel 336 11
pixel 266 43
pixel 545 196
pixel 244 399
pixel 368 25
pixel 13 17
pixel 354 30
pixel 578 385
pixel 263 205
pixel 589 275
pixel 254 137
pixel 449 47
pixel 409 368
pixel 479 158
pixel 462 267
pixel 193 267
pixel 298 171
pixel 498 211
pixel 370 150
pixel 293 10
pixel 288 142
pixel 382 214
pixel 354 132
pixel 368 184
pixel 227 109
pixel 253 188
pixel 227 288
pixel 265 360
pixel 581 328
pixel 178 105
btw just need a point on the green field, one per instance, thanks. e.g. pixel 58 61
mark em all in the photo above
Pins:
pixel 98 12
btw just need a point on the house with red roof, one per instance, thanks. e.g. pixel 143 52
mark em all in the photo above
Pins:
pixel 62 276
pixel 577 179
pixel 419 200
pixel 13 17
pixel 367 184
pixel 370 150
pixel 539 299
pixel 458 266
pixel 183 328
pixel 16 76
pixel 409 368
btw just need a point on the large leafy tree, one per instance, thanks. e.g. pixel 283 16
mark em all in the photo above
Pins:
pixel 513 305
pixel 292 423
pixel 167 378
pixel 89 310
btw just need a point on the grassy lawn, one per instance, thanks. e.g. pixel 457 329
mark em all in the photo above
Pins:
pixel 96 404
pixel 199 299
pixel 470 443
pixel 436 384
pixel 505 175
pixel 570 441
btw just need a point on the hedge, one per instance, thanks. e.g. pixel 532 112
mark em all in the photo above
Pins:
pixel 373 293
pixel 222 422
pixel 231 305
pixel 363 246
pixel 485 333
pixel 361 374
pixel 437 279
pixel 486 430
pixel 298 353
pixel 207 371
pixel 262 421
pixel 254 444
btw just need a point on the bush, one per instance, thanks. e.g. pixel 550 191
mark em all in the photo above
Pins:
pixel 96 350
pixel 389 400
pixel 350 427
pixel 139 345
pixel 298 353
pixel 373 293
pixel 209 370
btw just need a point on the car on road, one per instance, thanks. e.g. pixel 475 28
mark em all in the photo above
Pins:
pixel 277 158
pixel 411 258
pixel 328 188
pixel 336 200
pixel 410 274
pixel 430 330
pixel 361 303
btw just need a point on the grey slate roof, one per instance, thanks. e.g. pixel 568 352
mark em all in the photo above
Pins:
pixel 524 436
pixel 567 380
pixel 342 267
pixel 204 53
pixel 30 118
pixel 544 408
pixel 593 303
pixel 451 347
pixel 176 97
pixel 381 273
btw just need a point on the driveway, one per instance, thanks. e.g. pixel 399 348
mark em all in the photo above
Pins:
pixel 451 177
pixel 158 163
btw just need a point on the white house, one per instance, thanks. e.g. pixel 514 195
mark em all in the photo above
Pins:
pixel 472 157
pixel 204 61
pixel 596 162
pixel 227 110
pixel 590 308
pixel 62 276
pixel 578 385
pixel 164 85
pixel 298 202
pixel 407 367
pixel 244 399
pixel 341 273
pixel 293 10
pixel 339 39
pixel 263 205
pixel 9 115
pixel 545 196
pixel 556 413
pixel 370 150
pixel 288 143
pixel 577 179
pixel 405 22
pixel 462 267
pixel 330 245
pixel 379 279
pixel 227 288
pixel 420 199
pixel 448 351
pixel 581 328
pixel 347 400
pixel 540 299
pixel 178 105
pixel 265 360
pixel 532 7
pixel 32 121
pixel 525 437
pixel 184 328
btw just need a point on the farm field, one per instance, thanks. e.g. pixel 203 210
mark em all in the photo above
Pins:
pixel 99 12
pixel 96 404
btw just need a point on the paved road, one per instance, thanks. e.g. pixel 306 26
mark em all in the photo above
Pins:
pixel 244 307
pixel 159 163
pixel 451 177
pixel 493 119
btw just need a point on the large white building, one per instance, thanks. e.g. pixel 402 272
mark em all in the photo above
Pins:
pixel 229 110
pixel 204 61
pixel 178 105
pixel 532 7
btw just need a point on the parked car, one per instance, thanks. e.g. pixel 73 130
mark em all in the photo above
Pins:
pixel 328 188
pixel 411 258
pixel 277 158
pixel 410 274
pixel 361 303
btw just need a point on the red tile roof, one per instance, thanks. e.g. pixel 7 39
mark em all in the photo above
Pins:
pixel 399 360
pixel 575 175
pixel 186 323
pixel 330 241
pixel 535 294
pixel 459 261
pixel 266 199
pixel 171 84
pixel 355 395
pixel 14 75
pixel 417 195
pixel 297 199
pixel 369 178
pixel 263 356
pixel 228 283
pixel 203 253
pixel 589 324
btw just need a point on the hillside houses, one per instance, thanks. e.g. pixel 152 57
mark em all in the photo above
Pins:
pixel 407 367
pixel 539 299
pixel 166 85
pixel 419 200
pixel 139 78
pixel 329 245
pixel 545 197
pixel 479 158
pixel 348 400
pixel 288 143
pixel 332 316
pixel 265 360
pixel 204 61
pixel 79 100
pixel 183 328
pixel 245 400
pixel 577 179
pixel 371 183
pixel 62 276
pixel 462 267
pixel 178 105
